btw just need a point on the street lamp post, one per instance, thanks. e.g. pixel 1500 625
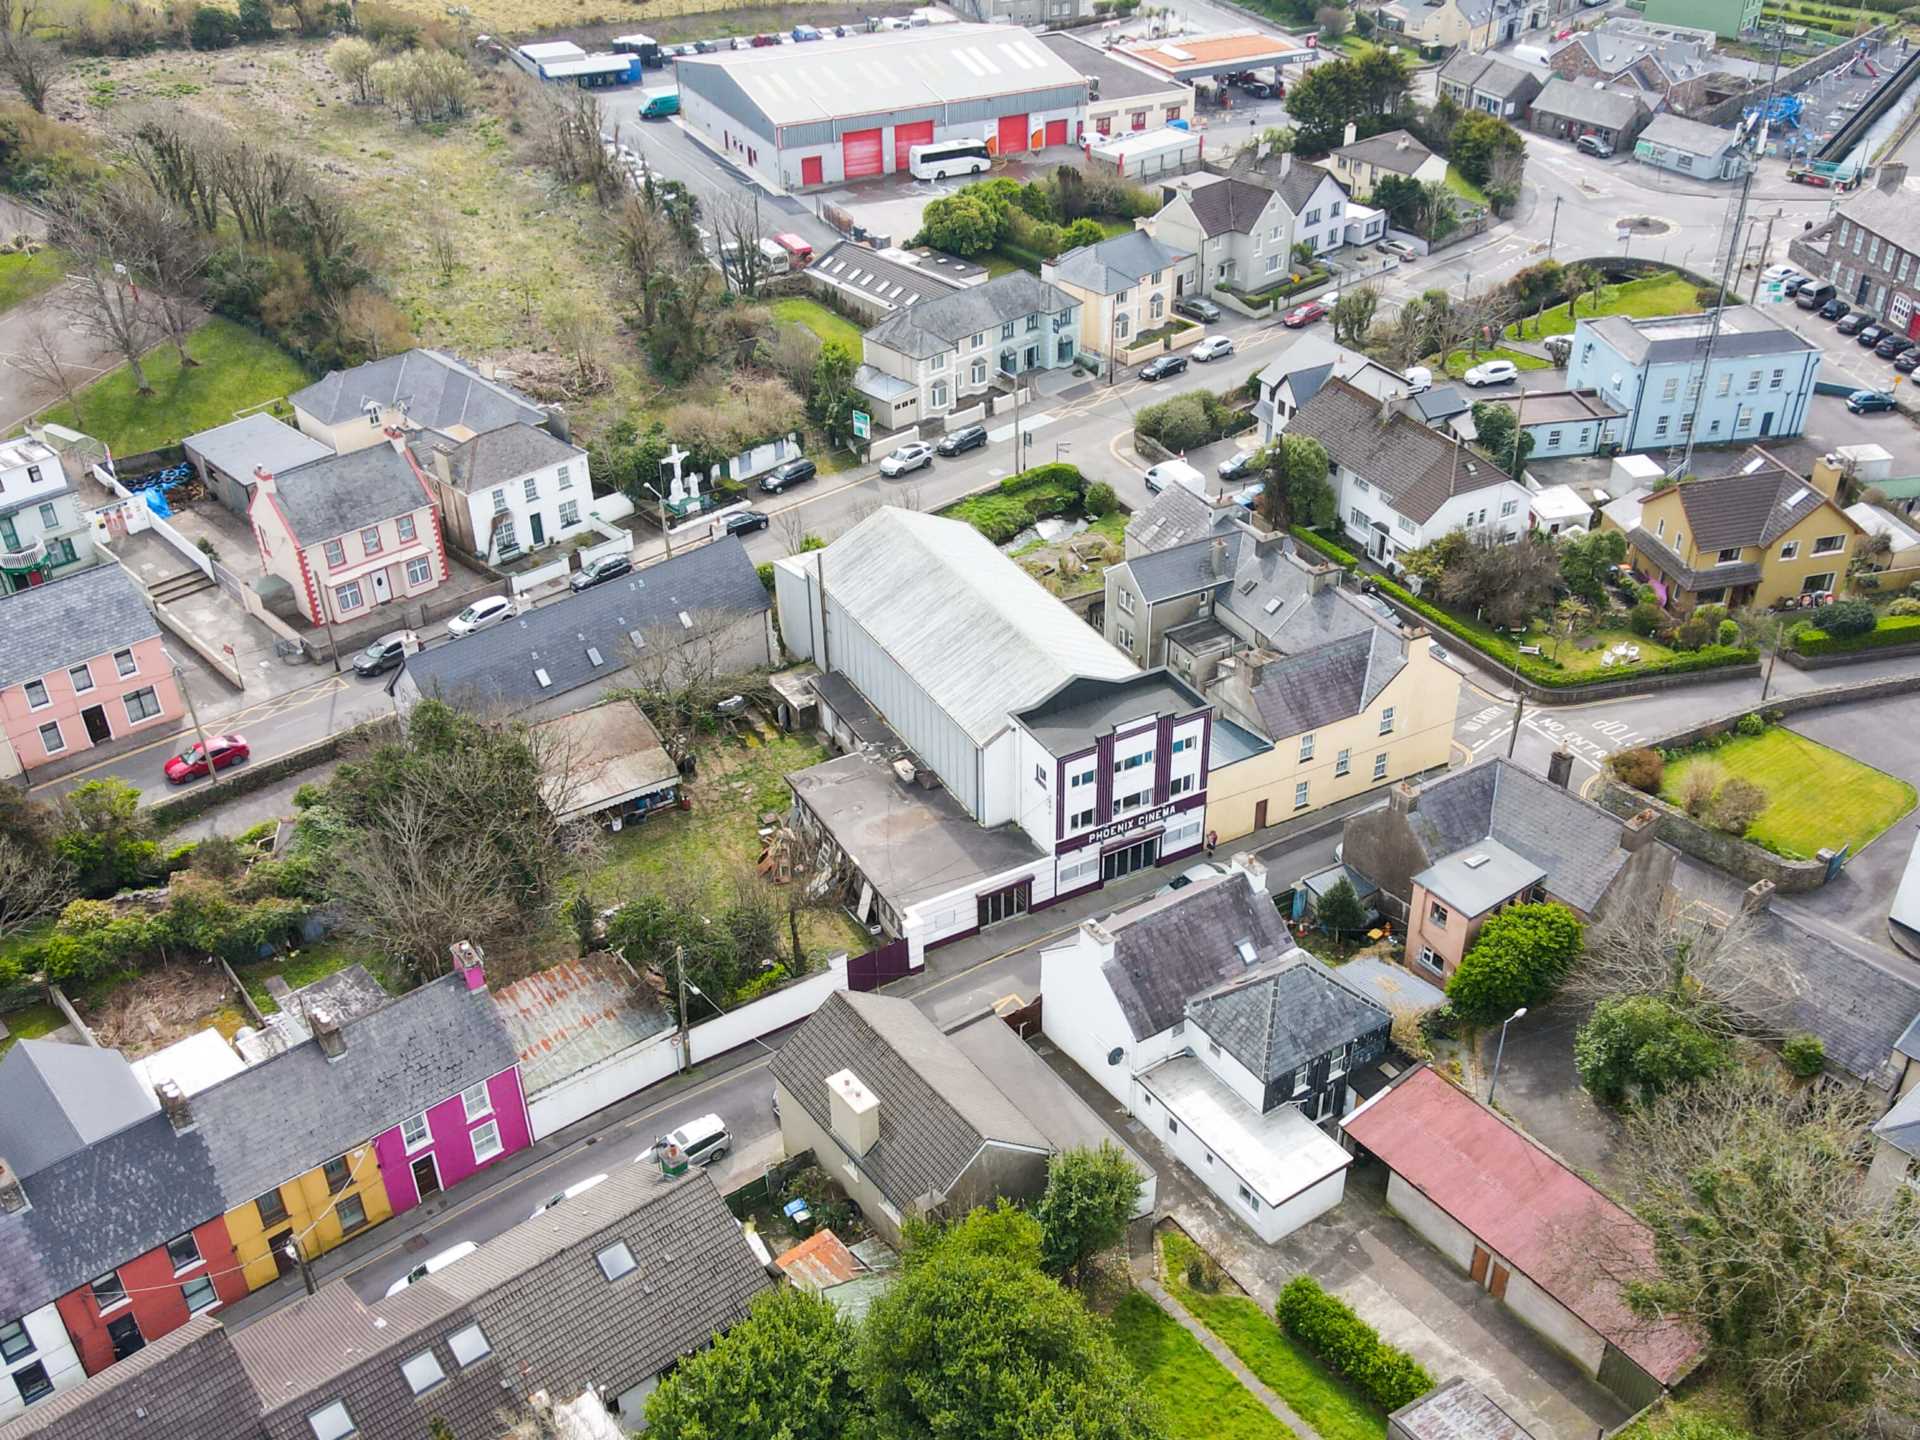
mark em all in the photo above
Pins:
pixel 1554 230
pixel 1501 1051
pixel 665 533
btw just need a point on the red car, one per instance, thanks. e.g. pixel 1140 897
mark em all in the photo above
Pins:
pixel 191 763
pixel 1304 314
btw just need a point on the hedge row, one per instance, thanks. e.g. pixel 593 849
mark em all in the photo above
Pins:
pixel 1505 652
pixel 1001 514
pixel 1349 1346
pixel 1892 630
pixel 1282 291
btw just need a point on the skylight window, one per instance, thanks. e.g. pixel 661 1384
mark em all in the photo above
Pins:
pixel 540 674
pixel 1247 953
pixel 616 1260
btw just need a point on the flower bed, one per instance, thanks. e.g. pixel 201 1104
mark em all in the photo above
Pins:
pixel 1273 294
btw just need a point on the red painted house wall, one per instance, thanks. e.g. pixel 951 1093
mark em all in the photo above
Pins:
pixel 154 1295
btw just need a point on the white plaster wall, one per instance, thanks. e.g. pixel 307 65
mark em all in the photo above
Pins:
pixel 1083 1019
pixel 52 1348
pixel 1433 1224
pixel 1271 1223
pixel 1553 1320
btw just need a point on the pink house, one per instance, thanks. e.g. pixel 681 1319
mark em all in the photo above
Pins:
pixel 454 1137
pixel 350 533
pixel 82 663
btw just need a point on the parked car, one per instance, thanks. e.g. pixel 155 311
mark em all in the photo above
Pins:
pixel 1234 466
pixel 1400 249
pixel 1862 402
pixel 1593 145
pixel 1492 372
pixel 570 1193
pixel 916 455
pixel 1906 361
pixel 1852 324
pixel 432 1266
pixel 1259 90
pixel 1174 472
pixel 191 763
pixel 1778 274
pixel 1419 380
pixel 745 522
pixel 490 610
pixel 1212 348
pixel 1891 345
pixel 1871 335
pixel 1162 366
pixel 1835 310
pixel 704 47
pixel 786 473
pixel 702 1141
pixel 804 33
pixel 1303 314
pixel 1795 284
pixel 958 442
pixel 1814 294
pixel 607 567
pixel 1193 874
pixel 386 652
pixel 763 40
pixel 1195 308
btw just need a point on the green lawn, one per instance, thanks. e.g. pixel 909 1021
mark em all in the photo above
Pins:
pixel 1655 295
pixel 1816 798
pixel 311 963
pixel 1200 1397
pixel 1466 189
pixel 30 1024
pixel 1583 662
pixel 238 369
pixel 1459 362
pixel 24 276
pixel 827 324
pixel 1317 1396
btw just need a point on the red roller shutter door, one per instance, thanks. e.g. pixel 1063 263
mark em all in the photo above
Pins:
pixel 862 153
pixel 1013 134
pixel 905 137
pixel 1056 132
pixel 812 170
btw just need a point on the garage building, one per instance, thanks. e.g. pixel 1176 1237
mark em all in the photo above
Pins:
pixel 803 116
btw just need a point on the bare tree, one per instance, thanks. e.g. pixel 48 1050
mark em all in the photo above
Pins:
pixel 167 255
pixel 258 183
pixel 103 300
pixel 310 17
pixel 791 522
pixel 581 334
pixel 565 126
pixel 28 60
pixel 33 883
pixel 442 250
pixel 182 157
pixel 1711 965
pixel 40 357
pixel 650 249
pixel 680 672
pixel 737 231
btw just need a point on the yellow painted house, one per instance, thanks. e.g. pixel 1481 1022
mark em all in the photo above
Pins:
pixel 1753 538
pixel 316 1210
pixel 1356 714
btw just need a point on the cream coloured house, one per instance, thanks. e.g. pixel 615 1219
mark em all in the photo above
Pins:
pixel 1124 287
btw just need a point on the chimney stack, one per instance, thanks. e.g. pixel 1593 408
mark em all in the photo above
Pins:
pixel 1101 938
pixel 470 960
pixel 326 1029
pixel 1353 132
pixel 263 480
pixel 1254 868
pixel 1286 165
pixel 173 1100
pixel 13 1199
pixel 1400 800
pixel 1757 897
pixel 443 464
pixel 1890 178
pixel 1560 767
pixel 1638 830
pixel 1217 554
pixel 856 1112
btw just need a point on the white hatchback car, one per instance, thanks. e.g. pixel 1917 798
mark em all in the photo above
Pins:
pixel 571 1192
pixel 1492 372
pixel 1212 348
pixel 914 456
pixel 432 1266
pixel 480 615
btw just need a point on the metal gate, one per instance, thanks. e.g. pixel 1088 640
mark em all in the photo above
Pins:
pixel 1012 135
pixel 862 154
pixel 905 137
pixel 878 967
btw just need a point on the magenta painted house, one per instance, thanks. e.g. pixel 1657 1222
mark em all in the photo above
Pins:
pixel 464 1132
pixel 81 663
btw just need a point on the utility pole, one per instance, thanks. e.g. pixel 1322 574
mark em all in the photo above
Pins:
pixel 686 1034
pixel 292 1252
pixel 1554 230
pixel 193 714
pixel 1766 249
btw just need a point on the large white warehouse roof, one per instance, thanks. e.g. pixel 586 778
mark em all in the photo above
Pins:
pixel 895 70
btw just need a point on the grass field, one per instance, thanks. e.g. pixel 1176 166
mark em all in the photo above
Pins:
pixel 237 369
pixel 1465 188
pixel 1655 295
pixel 30 1024
pixel 24 276
pixel 1200 1397
pixel 1317 1396
pixel 825 323
pixel 304 966
pixel 1589 661
pixel 1460 361
pixel 1817 798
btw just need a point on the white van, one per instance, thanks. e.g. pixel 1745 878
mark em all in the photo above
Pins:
pixel 778 261
pixel 1175 472
pixel 702 1141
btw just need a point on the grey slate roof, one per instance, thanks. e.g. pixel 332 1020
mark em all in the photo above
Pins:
pixel 936 1107
pixel 1890 214
pixel 1182 569
pixel 1229 206
pixel 340 494
pixel 889 283
pixel 49 627
pixel 436 390
pixel 1744 331
pixel 550 1317
pixel 1577 844
pixel 1746 572
pixel 1114 264
pixel 239 445
pixel 1754 508
pixel 1174 946
pixel 1283 1014
pixel 1266 587
pixel 1417 468
pixel 1300 693
pixel 1442 402
pixel 1174 516
pixel 186 1385
pixel 493 457
pixel 497 665
pixel 1395 150
pixel 1296 187
pixel 1077 714
pixel 282 1117
pixel 939 324
pixel 63 1098
pixel 1588 104
pixel 1491 75
pixel 1675 132
pixel 1899 1127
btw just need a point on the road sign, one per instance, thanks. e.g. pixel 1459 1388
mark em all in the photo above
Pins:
pixel 862 425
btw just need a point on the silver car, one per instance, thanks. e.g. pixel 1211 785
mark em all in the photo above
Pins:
pixel 483 613
pixel 914 456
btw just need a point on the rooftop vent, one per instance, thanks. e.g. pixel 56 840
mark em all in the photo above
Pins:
pixel 1272 605
pixel 593 655
pixel 1474 862
pixel 1247 953
pixel 540 674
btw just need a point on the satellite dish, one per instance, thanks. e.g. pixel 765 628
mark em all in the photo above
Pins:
pixel 1116 1055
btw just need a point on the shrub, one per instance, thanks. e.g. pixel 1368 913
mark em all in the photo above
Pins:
pixel 1894 630
pixel 1518 959
pixel 1187 421
pixel 1750 726
pixel 1691 633
pixel 1020 500
pixel 1348 1345
pixel 1642 1043
pixel 1805 1055
pixel 258 835
pixel 1845 618
pixel 1904 606
pixel 1738 804
pixel 1644 618
pixel 309 795
pixel 1100 500
pixel 1727 632
pixel 213 28
pixel 1643 769
pixel 1698 789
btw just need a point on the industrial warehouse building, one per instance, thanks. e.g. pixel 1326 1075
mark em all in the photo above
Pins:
pixel 800 116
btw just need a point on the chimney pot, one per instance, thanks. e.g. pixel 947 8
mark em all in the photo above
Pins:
pixel 855 1111
pixel 326 1029
pixel 470 960
pixel 1757 897
pixel 1560 767
pixel 1401 799
pixel 13 1198
pixel 263 479
pixel 1286 165
pixel 1254 868
pixel 1352 133
pixel 1638 830
pixel 173 1100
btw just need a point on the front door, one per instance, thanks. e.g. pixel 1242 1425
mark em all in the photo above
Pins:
pixel 1766 423
pixel 126 1337
pixel 1130 858
pixel 1260 815
pixel 382 591
pixel 98 730
pixel 280 1245
pixel 426 1177
pixel 539 528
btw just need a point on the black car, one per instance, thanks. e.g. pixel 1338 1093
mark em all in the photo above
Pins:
pixel 1871 336
pixel 385 653
pixel 607 567
pixel 1850 324
pixel 1163 366
pixel 957 442
pixel 1258 90
pixel 1835 310
pixel 704 47
pixel 1792 287
pixel 1906 361
pixel 1892 345
pixel 745 522
pixel 1235 466
pixel 792 472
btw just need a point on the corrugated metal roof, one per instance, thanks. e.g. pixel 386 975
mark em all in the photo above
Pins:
pixel 972 629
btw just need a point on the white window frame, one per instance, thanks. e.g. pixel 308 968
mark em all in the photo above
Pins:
pixel 409 1142
pixel 616 1261
pixel 406 529
pixel 374 545
pixel 483 1107
pixel 181 1267
pixel 76 674
pixel 1386 721
pixel 530 488
pixel 58 734
pixel 1306 747
pixel 126 703
pixel 569 514
pixel 1790 550
pixel 1302 793
pixel 336 553
pixel 1380 766
pixel 46 696
pixel 419 570
pixel 347 596
pixel 210 1297
pixel 1343 763
pixel 486 1141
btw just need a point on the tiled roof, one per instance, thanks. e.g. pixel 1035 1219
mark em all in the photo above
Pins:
pixel 1173 517
pixel 938 324
pixel 1416 467
pixel 936 1108
pixel 1685 576
pixel 1300 693
pixel 493 457
pixel 186 1385
pixel 1589 104
pixel 339 494
pixel 1524 1205
pixel 1396 150
pixel 1174 946
pixel 1284 1014
pixel 1229 206
pixel 49 627
pixel 1754 508
pixel 1114 264
pixel 436 391
pixel 63 1098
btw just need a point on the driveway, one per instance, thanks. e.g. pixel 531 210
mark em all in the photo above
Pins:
pixel 22 394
